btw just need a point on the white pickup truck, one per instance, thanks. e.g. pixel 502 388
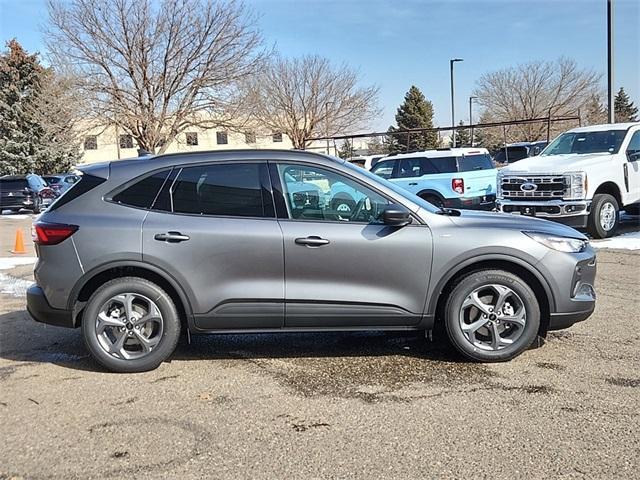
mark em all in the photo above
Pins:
pixel 583 179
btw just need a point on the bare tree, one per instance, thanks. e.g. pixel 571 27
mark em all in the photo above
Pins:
pixel 533 90
pixel 155 69
pixel 307 97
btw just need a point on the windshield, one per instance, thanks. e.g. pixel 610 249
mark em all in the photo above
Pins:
pixel 400 191
pixel 608 141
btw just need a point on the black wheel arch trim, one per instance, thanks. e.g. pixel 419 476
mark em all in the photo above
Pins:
pixel 89 275
pixel 436 292
pixel 429 192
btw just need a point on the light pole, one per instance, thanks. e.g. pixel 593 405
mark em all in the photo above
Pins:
pixel 610 72
pixel 471 99
pixel 453 113
pixel 326 123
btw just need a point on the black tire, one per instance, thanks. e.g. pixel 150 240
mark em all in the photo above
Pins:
pixel 597 220
pixel 340 202
pixel 433 200
pixel 483 279
pixel 170 323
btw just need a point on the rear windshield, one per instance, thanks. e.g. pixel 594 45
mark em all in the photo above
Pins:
pixel 471 163
pixel 13 184
pixel 511 154
pixel 87 182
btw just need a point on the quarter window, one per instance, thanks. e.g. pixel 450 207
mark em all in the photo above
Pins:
pixel 224 189
pixel 316 194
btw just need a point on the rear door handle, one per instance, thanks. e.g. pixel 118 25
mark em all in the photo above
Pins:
pixel 413 183
pixel 171 237
pixel 312 241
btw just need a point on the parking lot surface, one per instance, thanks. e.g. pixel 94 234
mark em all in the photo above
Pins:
pixel 360 405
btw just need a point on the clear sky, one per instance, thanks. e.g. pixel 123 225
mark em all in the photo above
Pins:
pixel 395 44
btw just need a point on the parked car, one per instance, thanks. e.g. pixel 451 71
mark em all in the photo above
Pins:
pixel 583 178
pixel 60 183
pixel 517 151
pixel 367 161
pixel 214 242
pixel 25 192
pixel 449 177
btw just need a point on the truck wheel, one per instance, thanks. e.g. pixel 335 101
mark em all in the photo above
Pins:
pixel 130 325
pixel 491 316
pixel 604 217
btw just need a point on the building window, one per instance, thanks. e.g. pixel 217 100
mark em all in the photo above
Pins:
pixel 91 142
pixel 221 138
pixel 126 141
pixel 249 137
pixel 277 137
pixel 192 139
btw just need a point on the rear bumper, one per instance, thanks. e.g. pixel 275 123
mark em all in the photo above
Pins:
pixel 40 310
pixel 486 202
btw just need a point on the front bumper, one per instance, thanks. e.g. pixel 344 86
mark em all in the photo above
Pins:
pixel 40 310
pixel 485 202
pixel 574 289
pixel 573 213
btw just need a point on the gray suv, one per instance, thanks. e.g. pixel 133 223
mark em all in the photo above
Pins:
pixel 248 241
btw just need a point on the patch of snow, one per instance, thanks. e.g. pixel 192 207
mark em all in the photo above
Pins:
pixel 7 263
pixel 14 217
pixel 626 241
pixel 16 287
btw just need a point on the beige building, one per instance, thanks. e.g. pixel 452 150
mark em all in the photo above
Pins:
pixel 103 144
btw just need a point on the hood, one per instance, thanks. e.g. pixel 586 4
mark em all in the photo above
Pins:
pixel 480 219
pixel 550 164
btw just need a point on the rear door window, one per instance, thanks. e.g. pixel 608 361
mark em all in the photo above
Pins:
pixel 220 189
pixel 444 164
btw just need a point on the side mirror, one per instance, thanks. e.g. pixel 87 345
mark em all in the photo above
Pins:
pixel 633 155
pixel 536 151
pixel 396 216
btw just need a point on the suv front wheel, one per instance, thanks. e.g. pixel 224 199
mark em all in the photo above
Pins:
pixel 130 325
pixel 492 316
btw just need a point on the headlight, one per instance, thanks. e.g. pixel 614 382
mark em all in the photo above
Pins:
pixel 576 185
pixel 562 244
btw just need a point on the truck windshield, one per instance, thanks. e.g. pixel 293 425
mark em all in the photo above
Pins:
pixel 511 154
pixel 608 141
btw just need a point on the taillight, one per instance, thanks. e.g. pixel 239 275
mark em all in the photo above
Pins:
pixel 457 184
pixel 52 233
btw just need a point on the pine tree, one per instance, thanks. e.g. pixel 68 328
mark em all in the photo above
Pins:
pixel 415 112
pixel 463 136
pixel 25 144
pixel 596 112
pixel 623 107
pixel 346 149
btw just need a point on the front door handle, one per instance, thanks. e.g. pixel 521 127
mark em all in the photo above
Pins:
pixel 312 241
pixel 171 237
pixel 413 183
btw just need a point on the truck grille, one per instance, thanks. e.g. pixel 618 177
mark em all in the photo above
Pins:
pixel 547 187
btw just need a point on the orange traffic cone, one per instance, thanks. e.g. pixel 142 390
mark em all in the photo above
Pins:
pixel 19 244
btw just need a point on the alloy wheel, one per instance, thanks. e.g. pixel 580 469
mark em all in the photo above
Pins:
pixel 492 317
pixel 129 326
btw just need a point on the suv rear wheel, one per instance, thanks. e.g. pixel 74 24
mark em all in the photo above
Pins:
pixel 130 325
pixel 492 316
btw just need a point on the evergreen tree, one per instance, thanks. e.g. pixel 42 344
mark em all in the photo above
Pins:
pixel 415 112
pixel 596 112
pixel 346 149
pixel 623 107
pixel 26 145
pixel 463 136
